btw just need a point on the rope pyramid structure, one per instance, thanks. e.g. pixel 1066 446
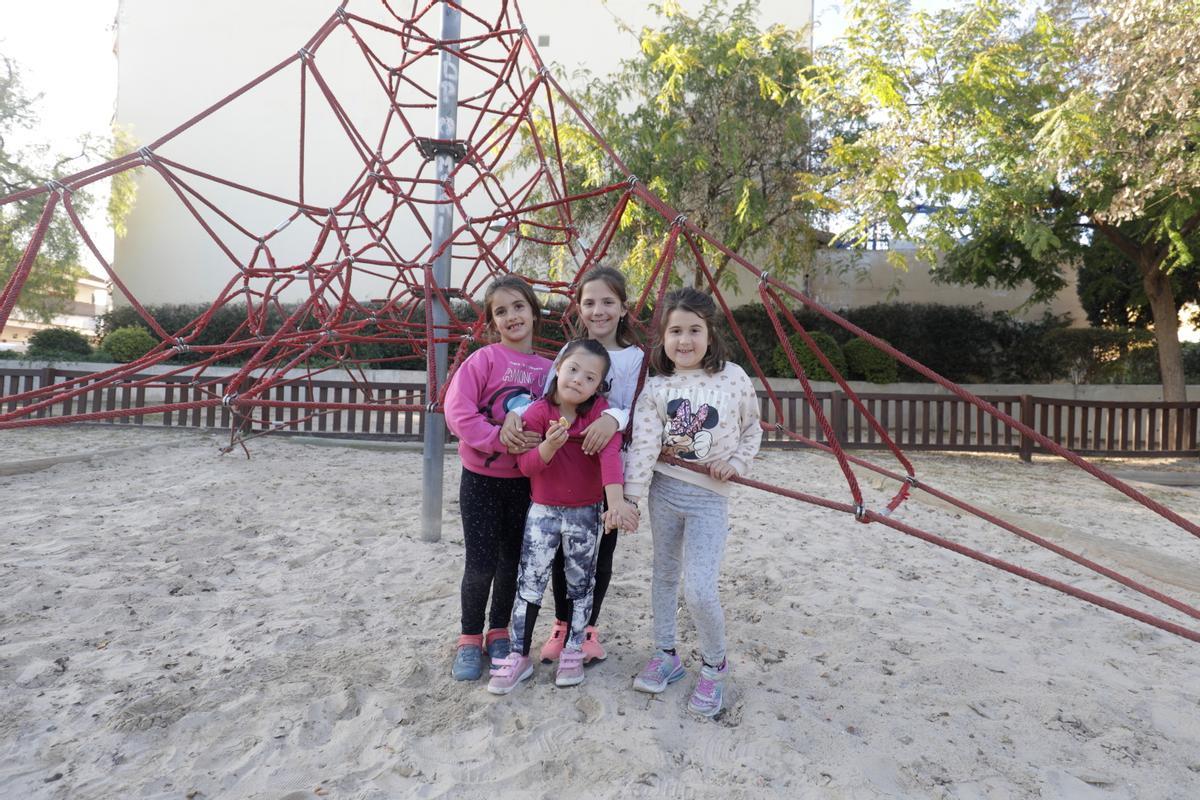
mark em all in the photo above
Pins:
pixel 377 234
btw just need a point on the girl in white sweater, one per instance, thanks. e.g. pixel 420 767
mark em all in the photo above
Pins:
pixel 698 408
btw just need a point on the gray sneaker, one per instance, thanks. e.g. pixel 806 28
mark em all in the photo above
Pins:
pixel 709 694
pixel 660 671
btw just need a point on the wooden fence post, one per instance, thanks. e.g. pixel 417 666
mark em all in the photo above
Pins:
pixel 1026 419
pixel 837 415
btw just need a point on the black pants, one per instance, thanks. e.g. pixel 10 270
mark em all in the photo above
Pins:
pixel 558 578
pixel 493 520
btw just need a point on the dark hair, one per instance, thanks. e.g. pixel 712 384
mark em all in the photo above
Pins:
pixel 593 348
pixel 702 306
pixel 513 283
pixel 614 279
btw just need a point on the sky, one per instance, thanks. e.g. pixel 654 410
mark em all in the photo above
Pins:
pixel 64 51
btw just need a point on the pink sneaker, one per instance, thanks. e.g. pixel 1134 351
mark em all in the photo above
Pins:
pixel 570 668
pixel 508 672
pixel 592 649
pixel 554 645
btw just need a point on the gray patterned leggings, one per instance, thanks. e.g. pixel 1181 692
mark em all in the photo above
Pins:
pixel 578 530
pixel 689 525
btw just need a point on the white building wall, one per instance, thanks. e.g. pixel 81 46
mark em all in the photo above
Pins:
pixel 177 58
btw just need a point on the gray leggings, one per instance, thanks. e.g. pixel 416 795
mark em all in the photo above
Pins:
pixel 578 530
pixel 689 525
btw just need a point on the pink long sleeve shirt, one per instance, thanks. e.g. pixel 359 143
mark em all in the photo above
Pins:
pixel 491 382
pixel 571 478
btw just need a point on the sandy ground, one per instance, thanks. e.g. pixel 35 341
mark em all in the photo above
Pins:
pixel 181 625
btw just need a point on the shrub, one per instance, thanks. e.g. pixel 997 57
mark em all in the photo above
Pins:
pixel 58 343
pixel 808 360
pixel 866 362
pixel 128 344
pixel 1191 361
pixel 1095 355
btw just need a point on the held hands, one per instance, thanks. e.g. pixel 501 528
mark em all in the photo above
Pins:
pixel 598 434
pixel 514 436
pixel 721 470
pixel 623 516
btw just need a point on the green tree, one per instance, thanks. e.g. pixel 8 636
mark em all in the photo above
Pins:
pixel 51 283
pixel 707 116
pixel 1026 136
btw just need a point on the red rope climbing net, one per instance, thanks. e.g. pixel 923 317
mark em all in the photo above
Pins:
pixel 509 114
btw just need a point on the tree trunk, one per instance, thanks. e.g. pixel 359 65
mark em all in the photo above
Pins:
pixel 1166 331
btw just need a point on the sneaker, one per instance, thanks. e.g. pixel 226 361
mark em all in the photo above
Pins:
pixel 709 695
pixel 661 670
pixel 554 645
pixel 570 668
pixel 498 643
pixel 508 672
pixel 592 649
pixel 468 661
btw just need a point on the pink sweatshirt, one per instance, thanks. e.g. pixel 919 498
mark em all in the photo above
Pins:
pixel 491 382
pixel 571 478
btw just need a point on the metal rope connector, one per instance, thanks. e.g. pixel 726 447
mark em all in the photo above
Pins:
pixel 431 408
pixel 340 13
pixel 147 155
pixel 180 346
pixel 229 399
pixel 763 277
pixel 860 512
pixel 305 54
pixel 911 480
pixel 633 181
pixel 53 186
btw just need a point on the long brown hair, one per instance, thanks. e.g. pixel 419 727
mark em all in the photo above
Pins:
pixel 702 306
pixel 614 279
pixel 512 283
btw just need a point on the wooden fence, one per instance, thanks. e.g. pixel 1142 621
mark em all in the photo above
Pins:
pixel 912 421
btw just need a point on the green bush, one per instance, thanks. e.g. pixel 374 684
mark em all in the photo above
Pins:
pixel 1191 361
pixel 813 368
pixel 866 362
pixel 128 344
pixel 58 343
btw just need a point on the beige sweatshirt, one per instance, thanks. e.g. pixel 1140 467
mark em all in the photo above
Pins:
pixel 695 417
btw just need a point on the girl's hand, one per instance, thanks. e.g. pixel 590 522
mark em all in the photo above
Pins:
pixel 514 436
pixel 598 434
pixel 721 470
pixel 621 516
pixel 556 434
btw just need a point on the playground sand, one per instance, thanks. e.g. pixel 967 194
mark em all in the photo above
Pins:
pixel 181 625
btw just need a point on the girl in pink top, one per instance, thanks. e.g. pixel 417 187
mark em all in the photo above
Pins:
pixel 569 487
pixel 493 494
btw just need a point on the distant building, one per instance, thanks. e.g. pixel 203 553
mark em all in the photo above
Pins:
pixel 93 298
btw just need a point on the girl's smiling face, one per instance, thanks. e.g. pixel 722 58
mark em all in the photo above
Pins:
pixel 513 317
pixel 685 339
pixel 601 311
pixel 579 377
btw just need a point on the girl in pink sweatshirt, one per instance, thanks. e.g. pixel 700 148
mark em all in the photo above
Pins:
pixel 493 494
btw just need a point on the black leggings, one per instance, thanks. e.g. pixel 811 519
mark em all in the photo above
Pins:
pixel 604 559
pixel 493 520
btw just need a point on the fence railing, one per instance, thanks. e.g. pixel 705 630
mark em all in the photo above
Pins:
pixel 912 421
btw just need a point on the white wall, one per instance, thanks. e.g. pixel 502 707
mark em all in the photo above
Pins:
pixel 177 58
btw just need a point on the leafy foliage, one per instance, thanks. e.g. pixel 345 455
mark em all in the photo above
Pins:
pixel 58 342
pixel 866 362
pixel 1022 138
pixel 813 368
pixel 128 344
pixel 708 117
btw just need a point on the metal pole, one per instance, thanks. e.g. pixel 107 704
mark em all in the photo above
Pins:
pixel 443 224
